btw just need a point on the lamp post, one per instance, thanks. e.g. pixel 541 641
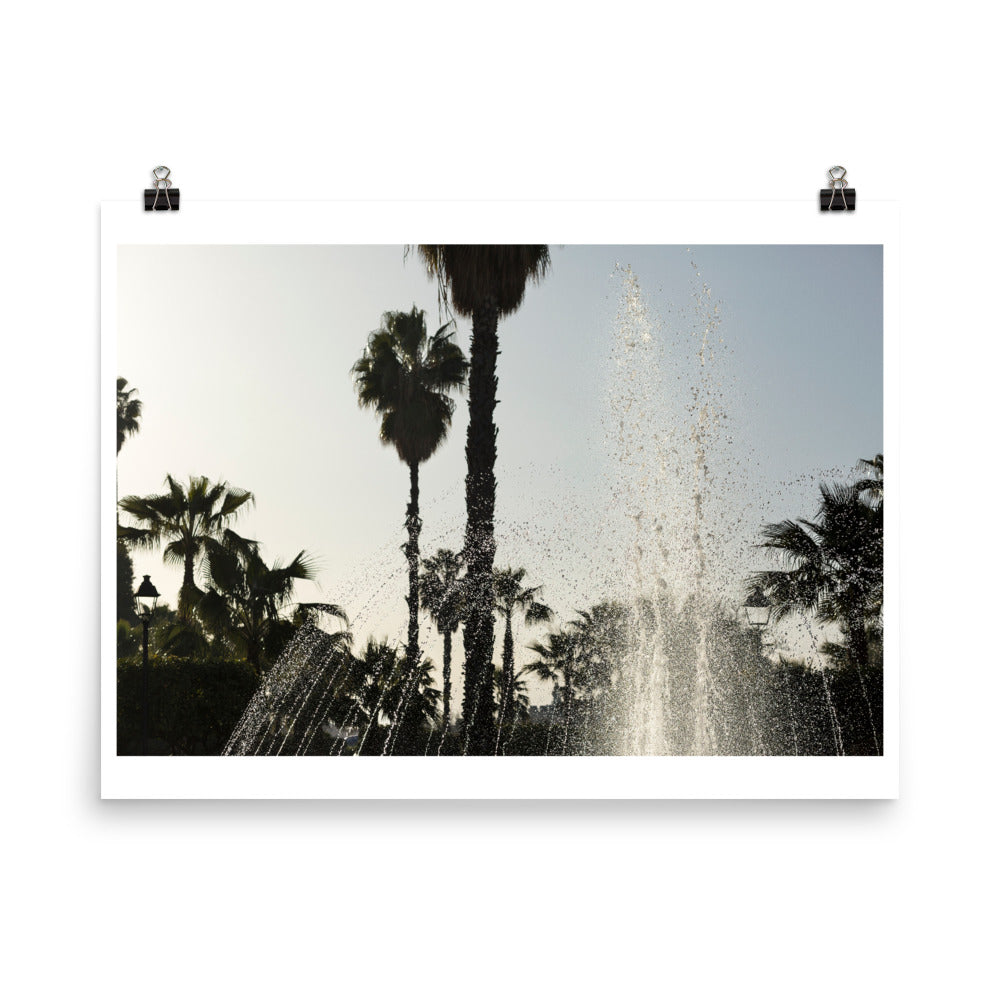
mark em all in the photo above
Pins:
pixel 145 602
pixel 757 609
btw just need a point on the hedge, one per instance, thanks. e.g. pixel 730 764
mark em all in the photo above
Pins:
pixel 193 705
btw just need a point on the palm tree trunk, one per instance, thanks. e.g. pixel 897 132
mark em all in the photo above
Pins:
pixel 858 640
pixel 413 560
pixel 480 544
pixel 253 640
pixel 446 686
pixel 185 600
pixel 406 719
pixel 507 705
pixel 568 695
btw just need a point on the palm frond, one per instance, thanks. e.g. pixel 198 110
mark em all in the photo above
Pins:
pixel 470 274
pixel 537 612
pixel 141 538
pixel 442 589
pixel 407 378
pixel 129 412
pixel 234 499
pixel 791 540
pixel 833 562
pixel 333 610
pixel 187 517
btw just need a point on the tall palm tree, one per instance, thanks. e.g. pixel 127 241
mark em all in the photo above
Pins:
pixel 484 282
pixel 187 518
pixel 833 566
pixel 407 377
pixel 129 412
pixel 510 597
pixel 441 590
pixel 244 597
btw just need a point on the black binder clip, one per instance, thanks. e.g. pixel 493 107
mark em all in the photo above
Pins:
pixel 838 197
pixel 164 197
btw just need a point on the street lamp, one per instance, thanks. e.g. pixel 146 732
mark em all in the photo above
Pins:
pixel 757 609
pixel 145 602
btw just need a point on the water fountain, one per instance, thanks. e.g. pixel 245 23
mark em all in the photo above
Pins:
pixel 664 417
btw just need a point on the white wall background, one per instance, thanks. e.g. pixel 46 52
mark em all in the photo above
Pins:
pixel 516 100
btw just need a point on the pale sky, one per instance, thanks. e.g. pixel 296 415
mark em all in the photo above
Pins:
pixel 242 355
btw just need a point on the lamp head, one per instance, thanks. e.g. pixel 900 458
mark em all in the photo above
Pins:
pixel 757 608
pixel 145 598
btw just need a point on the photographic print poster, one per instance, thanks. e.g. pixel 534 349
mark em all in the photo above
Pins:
pixel 598 517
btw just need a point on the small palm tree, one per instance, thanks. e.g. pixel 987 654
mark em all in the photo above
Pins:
pixel 407 377
pixel 511 597
pixel 484 282
pixel 520 703
pixel 381 685
pixel 833 565
pixel 374 675
pixel 129 412
pixel 602 635
pixel 441 594
pixel 558 661
pixel 245 598
pixel 186 518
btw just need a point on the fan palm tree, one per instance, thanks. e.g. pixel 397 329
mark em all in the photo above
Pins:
pixel 602 638
pixel 407 377
pixel 519 702
pixel 375 677
pixel 187 518
pixel 558 661
pixel 484 282
pixel 441 593
pixel 244 597
pixel 129 412
pixel 833 566
pixel 510 598
pixel 380 685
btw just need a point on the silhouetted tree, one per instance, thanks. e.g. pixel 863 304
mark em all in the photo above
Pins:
pixel 833 564
pixel 483 282
pixel 441 593
pixel 518 703
pixel 129 412
pixel 602 639
pixel 383 689
pixel 511 598
pixel 186 518
pixel 872 486
pixel 245 599
pixel 407 377
pixel 558 660
pixel 125 584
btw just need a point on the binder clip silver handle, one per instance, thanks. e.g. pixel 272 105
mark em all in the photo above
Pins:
pixel 838 182
pixel 838 186
pixel 162 185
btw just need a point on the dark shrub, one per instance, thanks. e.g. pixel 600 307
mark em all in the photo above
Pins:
pixel 193 706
